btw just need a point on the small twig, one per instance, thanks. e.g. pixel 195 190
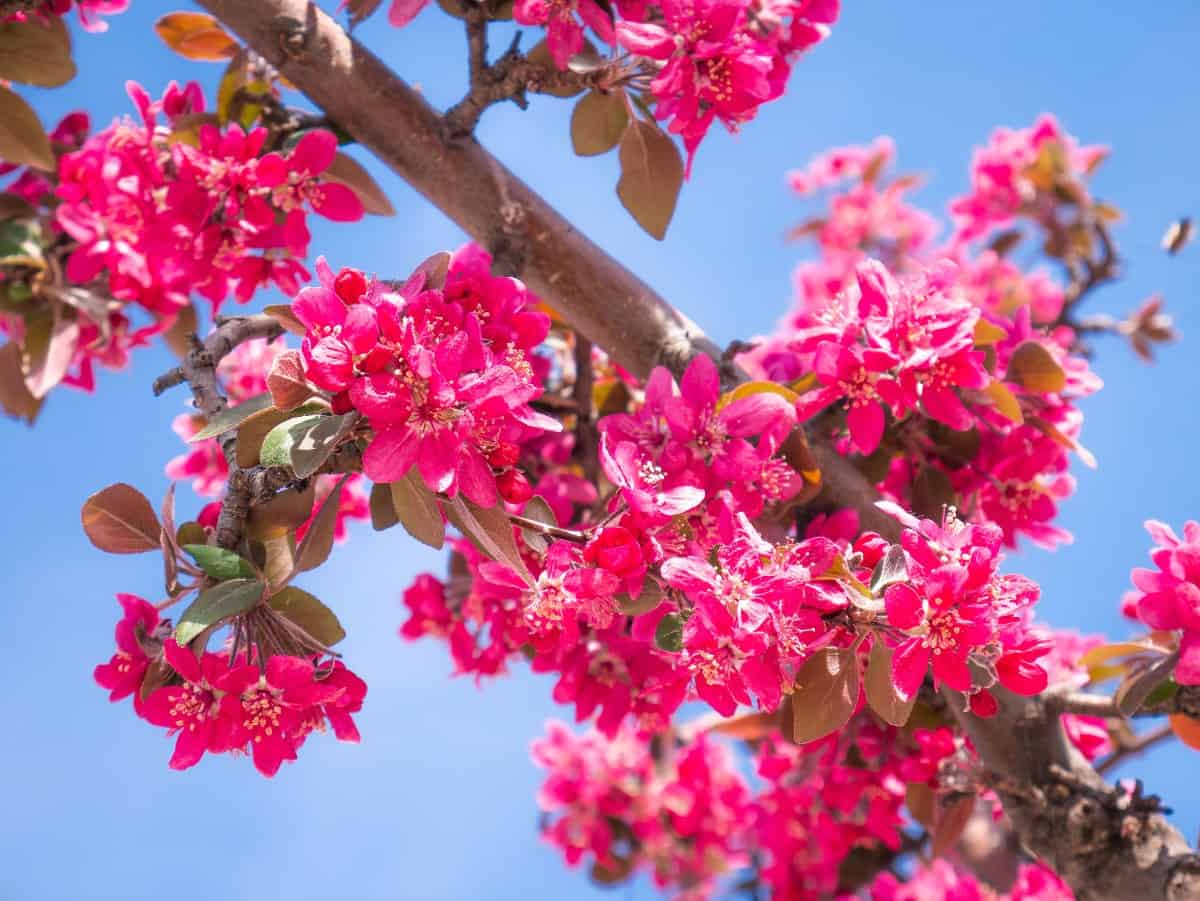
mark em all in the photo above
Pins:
pixel 1142 744
pixel 534 525
pixel 587 440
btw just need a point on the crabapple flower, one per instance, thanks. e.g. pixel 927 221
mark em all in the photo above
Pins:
pixel 1168 597
pixel 136 631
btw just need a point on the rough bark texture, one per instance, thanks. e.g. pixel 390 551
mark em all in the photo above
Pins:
pixel 1108 846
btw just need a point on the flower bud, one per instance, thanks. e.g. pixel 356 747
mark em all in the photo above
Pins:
pixel 350 285
pixel 616 550
pixel 513 486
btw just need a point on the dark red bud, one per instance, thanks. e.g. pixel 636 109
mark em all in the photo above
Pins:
pixel 513 486
pixel 350 285
pixel 872 546
pixel 341 403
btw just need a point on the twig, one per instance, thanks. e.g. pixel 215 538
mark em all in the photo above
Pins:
pixel 1143 743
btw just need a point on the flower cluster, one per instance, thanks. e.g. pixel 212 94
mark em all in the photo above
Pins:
pixel 441 368
pixel 819 802
pixel 720 59
pixel 1019 169
pixel 1169 597
pixel 681 817
pixel 955 609
pixel 214 214
pixel 218 703
pixel 946 882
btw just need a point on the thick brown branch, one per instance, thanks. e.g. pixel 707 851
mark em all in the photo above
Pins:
pixel 609 304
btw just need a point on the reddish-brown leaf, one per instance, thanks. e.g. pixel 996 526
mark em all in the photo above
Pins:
pixel 120 520
pixel 286 381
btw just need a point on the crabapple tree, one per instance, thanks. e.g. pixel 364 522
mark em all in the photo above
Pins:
pixel 803 533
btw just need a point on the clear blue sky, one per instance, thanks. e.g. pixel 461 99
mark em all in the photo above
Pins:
pixel 437 802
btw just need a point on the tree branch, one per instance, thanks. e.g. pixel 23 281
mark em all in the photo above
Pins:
pixel 608 303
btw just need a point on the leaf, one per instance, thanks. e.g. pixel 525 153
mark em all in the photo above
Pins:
pixel 21 243
pixel 317 444
pixel 418 511
pixel 50 368
pixel 920 801
pixel 195 36
pixel 179 335
pixel 987 334
pixel 383 511
pixel 435 268
pixel 185 129
pixel 279 560
pixel 158 675
pixel 651 176
pixel 36 52
pixel 490 530
pixel 1006 402
pixel 1141 681
pixel 282 313
pixel 309 614
pixel 668 634
pixel 286 382
pixel 1186 729
pixel 826 693
pixel 881 690
pixel 348 171
pixel 748 726
pixel 282 514
pixel 650 597
pixel 120 520
pixel 218 603
pixel 15 398
pixel 23 141
pixel 1035 369
pixel 360 10
pixel 236 91
pixel 191 533
pixel 746 389
pixel 1005 242
pixel 1106 652
pixel 232 417
pixel 318 540
pixel 220 563
pixel 598 121
pixel 931 491
pixel 891 569
pixel 1086 457
pixel 539 54
pixel 253 431
pixel 949 824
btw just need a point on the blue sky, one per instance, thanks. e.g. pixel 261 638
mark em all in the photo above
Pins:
pixel 437 802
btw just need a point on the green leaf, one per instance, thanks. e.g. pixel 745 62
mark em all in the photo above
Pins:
pixel 314 445
pixel 23 141
pixel 232 417
pixel 219 563
pixel 891 569
pixel 881 689
pixel 120 520
pixel 651 176
pixel 318 540
pixel 826 693
pixel 488 529
pixel 277 446
pixel 36 52
pixel 190 533
pixel 1033 367
pixel 309 614
pixel 1141 681
pixel 598 121
pixel 417 509
pixel 649 599
pixel 21 243
pixel 218 603
pixel 668 634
